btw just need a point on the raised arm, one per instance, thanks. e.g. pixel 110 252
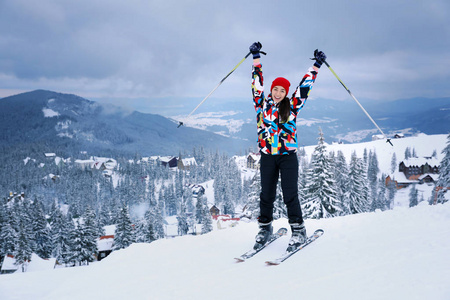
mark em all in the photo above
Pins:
pixel 305 85
pixel 257 77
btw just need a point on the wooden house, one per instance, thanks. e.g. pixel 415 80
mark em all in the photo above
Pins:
pixel 214 211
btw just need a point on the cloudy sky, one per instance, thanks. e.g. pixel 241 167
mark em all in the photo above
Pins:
pixel 138 53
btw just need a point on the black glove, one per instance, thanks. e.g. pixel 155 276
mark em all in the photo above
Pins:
pixel 255 49
pixel 319 57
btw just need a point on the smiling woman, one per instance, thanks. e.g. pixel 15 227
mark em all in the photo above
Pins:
pixel 276 117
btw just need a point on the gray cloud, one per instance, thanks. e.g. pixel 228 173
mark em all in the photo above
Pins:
pixel 120 50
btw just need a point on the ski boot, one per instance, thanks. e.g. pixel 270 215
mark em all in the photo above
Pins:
pixel 265 232
pixel 298 236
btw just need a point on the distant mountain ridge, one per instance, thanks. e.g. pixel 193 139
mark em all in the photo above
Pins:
pixel 54 121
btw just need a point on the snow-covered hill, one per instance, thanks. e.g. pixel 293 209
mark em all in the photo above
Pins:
pixel 398 254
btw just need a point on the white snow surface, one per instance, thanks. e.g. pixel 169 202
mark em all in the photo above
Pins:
pixel 49 113
pixel 397 254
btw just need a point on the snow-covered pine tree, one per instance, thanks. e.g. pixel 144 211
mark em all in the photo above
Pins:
pixel 158 221
pixel 41 231
pixel 183 225
pixel 23 248
pixel 380 201
pixel 393 163
pixel 407 153
pixel 413 196
pixel 444 174
pixel 251 208
pixel 279 208
pixel 199 209
pixel 76 245
pixel 372 177
pixel 341 179
pixel 124 234
pixel 8 239
pixel 170 200
pixel 391 189
pixel 149 234
pixel 358 193
pixel 303 166
pixel 90 235
pixel 60 229
pixel 3 223
pixel 207 225
pixel 320 190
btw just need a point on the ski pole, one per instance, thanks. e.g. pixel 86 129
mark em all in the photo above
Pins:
pixel 223 79
pixel 354 98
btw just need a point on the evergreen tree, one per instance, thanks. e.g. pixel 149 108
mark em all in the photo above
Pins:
pixel 407 153
pixel 380 200
pixel 199 209
pixel 9 239
pixel 444 174
pixel 149 230
pixel 372 176
pixel 123 235
pixel 391 191
pixel 413 196
pixel 279 208
pixel 76 249
pixel 393 163
pixel 23 249
pixel 251 208
pixel 320 190
pixel 158 221
pixel 61 228
pixel 41 231
pixel 183 225
pixel 341 178
pixel 90 233
pixel 207 220
pixel 358 193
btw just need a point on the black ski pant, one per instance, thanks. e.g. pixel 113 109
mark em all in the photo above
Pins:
pixel 271 166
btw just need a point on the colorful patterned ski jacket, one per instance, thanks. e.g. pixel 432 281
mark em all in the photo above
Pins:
pixel 275 137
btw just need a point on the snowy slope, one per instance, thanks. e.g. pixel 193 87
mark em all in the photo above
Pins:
pixel 398 254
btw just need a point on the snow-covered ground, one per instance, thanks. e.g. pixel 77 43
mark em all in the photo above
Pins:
pixel 397 254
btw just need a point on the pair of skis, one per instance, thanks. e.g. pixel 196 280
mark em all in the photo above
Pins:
pixel 281 232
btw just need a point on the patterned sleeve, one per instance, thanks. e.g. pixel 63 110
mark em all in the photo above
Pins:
pixel 302 91
pixel 257 87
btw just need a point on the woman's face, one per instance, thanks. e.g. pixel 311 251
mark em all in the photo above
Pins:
pixel 278 93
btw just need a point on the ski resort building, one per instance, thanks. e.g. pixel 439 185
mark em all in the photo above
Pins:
pixel 415 170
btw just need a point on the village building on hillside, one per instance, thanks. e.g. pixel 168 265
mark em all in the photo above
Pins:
pixel 106 242
pixel 177 162
pixel 106 165
pixel 253 160
pixel 197 189
pixel 169 161
pixel 186 163
pixel 415 171
pixel 214 211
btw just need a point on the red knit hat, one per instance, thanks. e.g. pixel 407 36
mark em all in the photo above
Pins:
pixel 280 81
